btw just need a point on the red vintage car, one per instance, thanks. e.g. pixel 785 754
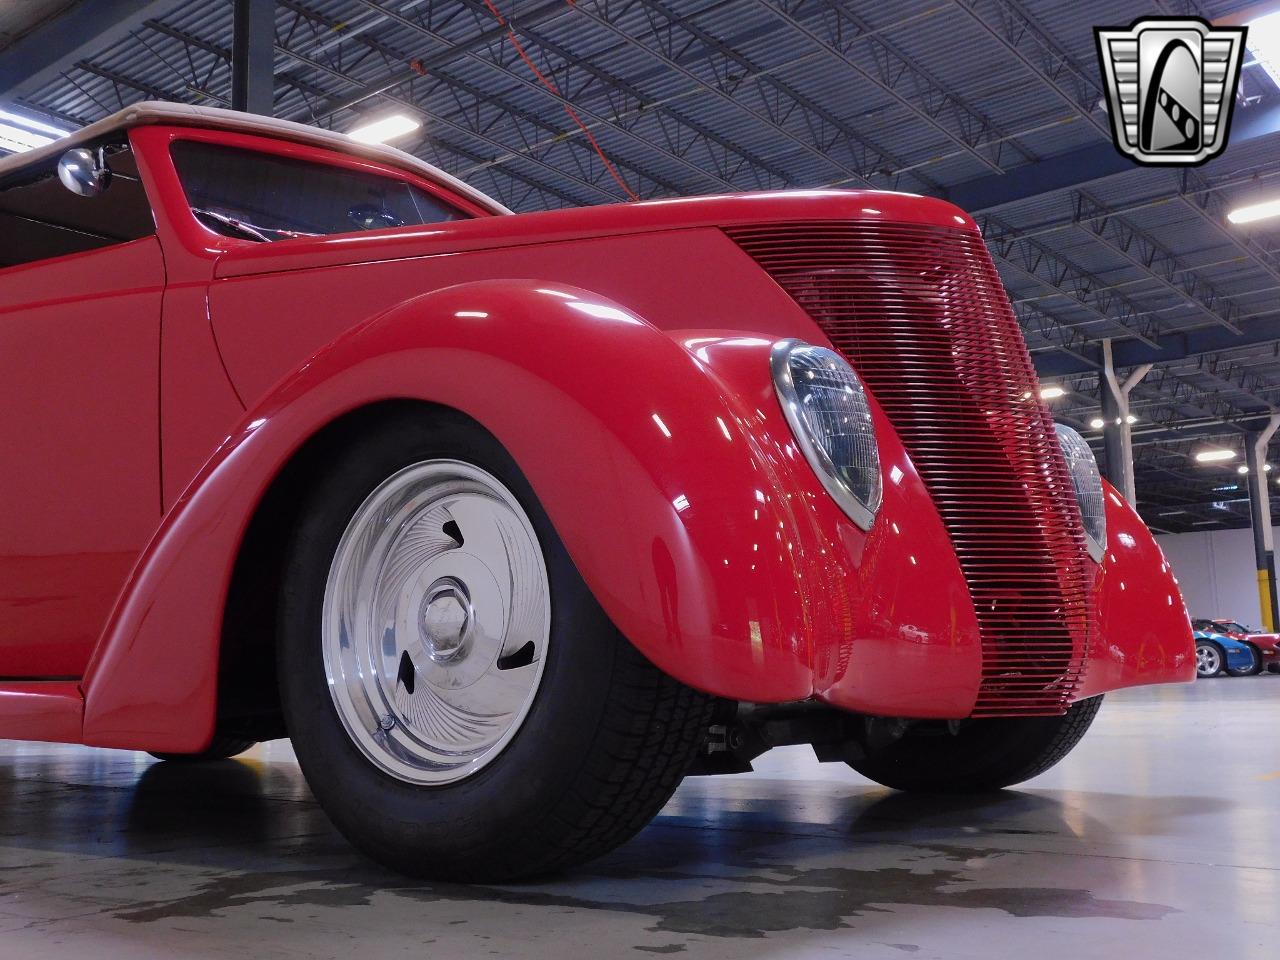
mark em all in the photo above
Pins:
pixel 511 522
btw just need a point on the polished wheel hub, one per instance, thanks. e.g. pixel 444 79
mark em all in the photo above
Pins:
pixel 1207 661
pixel 436 621
pixel 446 619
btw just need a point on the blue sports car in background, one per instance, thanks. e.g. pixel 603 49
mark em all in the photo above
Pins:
pixel 1216 654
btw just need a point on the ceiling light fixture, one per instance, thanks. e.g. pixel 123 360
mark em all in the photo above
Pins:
pixel 388 128
pixel 1214 455
pixel 1264 42
pixel 1052 392
pixel 1242 469
pixel 1255 211
pixel 1097 423
pixel 16 140
pixel 19 133
pixel 33 124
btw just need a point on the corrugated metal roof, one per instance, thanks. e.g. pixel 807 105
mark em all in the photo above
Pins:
pixel 701 96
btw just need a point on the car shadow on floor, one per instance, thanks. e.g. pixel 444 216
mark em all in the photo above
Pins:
pixel 714 864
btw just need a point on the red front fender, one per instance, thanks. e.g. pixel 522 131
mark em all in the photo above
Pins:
pixel 669 472
pixel 1144 633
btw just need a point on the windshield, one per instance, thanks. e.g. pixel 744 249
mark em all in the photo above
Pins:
pixel 1232 627
pixel 262 197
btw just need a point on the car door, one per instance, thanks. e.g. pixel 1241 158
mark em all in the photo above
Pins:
pixel 81 282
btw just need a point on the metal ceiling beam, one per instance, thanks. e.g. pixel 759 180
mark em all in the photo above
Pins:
pixel 1168 346
pixel 41 56
pixel 466 121
pixel 1020 35
pixel 252 59
pixel 897 75
pixel 826 137
pixel 1083 166
pixel 1202 431
pixel 1078 86
pixel 1149 255
pixel 585 79
pixel 475 128
pixel 1195 192
pixel 405 73
pixel 501 112
pixel 1056 272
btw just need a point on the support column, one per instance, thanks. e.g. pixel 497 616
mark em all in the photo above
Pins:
pixel 1260 516
pixel 1117 433
pixel 253 56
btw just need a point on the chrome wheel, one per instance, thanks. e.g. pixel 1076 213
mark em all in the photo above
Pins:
pixel 1208 660
pixel 436 619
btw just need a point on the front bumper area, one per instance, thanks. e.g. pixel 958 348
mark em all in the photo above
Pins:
pixel 746 580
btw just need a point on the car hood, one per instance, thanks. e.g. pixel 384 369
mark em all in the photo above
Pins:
pixel 655 216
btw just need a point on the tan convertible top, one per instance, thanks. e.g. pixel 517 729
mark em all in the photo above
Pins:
pixel 185 115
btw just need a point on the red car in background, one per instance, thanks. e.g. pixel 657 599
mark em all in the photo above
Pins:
pixel 510 522
pixel 1266 646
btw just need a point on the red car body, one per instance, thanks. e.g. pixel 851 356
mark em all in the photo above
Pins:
pixel 157 390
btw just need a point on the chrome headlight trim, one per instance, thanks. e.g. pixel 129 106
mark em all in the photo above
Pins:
pixel 1082 465
pixel 855 486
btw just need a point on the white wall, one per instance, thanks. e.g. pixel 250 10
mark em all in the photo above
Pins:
pixel 1216 572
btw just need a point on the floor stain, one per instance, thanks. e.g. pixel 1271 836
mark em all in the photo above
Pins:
pixel 771 900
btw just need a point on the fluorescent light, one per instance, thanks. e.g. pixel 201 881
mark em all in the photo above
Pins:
pixel 16 140
pixel 1264 41
pixel 1213 455
pixel 1255 211
pixel 19 134
pixel 1171 513
pixel 388 128
pixel 1052 393
pixel 36 125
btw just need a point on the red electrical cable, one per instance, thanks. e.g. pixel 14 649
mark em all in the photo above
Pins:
pixel 519 48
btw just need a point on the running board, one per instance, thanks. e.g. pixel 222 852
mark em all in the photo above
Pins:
pixel 51 710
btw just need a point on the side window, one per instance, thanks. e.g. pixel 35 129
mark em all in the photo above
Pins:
pixel 263 197
pixel 41 219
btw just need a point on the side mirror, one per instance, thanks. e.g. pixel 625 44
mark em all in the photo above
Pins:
pixel 84 172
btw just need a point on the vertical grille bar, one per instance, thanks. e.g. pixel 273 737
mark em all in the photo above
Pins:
pixel 921 314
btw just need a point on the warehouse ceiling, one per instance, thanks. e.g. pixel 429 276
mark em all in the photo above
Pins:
pixel 995 104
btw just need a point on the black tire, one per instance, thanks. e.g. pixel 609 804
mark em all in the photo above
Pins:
pixel 222 748
pixel 980 756
pixel 604 745
pixel 1255 665
pixel 1222 659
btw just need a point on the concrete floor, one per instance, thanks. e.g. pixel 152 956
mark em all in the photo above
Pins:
pixel 1157 837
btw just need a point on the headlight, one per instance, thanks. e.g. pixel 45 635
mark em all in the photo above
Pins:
pixel 826 405
pixel 1083 467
